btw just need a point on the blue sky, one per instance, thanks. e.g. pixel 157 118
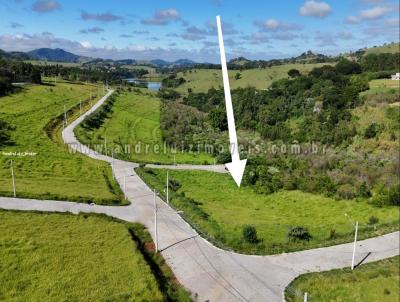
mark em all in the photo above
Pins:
pixel 176 29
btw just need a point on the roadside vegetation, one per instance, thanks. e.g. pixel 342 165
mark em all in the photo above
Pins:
pixel 377 281
pixel 86 257
pixel 130 128
pixel 32 120
pixel 283 221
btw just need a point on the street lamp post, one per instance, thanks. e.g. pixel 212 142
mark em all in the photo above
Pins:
pixel 355 240
pixel 155 222
pixel 13 178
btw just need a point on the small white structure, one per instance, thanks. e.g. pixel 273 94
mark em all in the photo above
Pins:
pixel 396 77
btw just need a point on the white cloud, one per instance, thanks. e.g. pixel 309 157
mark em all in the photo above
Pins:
pixel 45 6
pixel 86 44
pixel 374 13
pixel 275 25
pixel 315 9
pixel 163 17
pixel 369 14
pixel 345 35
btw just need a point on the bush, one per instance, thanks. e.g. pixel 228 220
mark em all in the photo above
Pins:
pixel 299 233
pixel 371 131
pixel 250 234
pixel 332 234
pixel 347 191
pixel 373 220
pixel 364 191
pixel 174 185
pixel 294 73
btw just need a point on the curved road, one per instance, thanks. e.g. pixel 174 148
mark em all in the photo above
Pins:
pixel 207 271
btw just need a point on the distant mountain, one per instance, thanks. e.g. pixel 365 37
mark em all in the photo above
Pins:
pixel 14 55
pixel 184 62
pixel 239 61
pixel 55 55
pixel 126 62
pixel 159 62
pixel 180 63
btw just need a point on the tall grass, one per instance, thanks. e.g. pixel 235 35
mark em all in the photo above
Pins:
pixel 50 171
pixel 219 210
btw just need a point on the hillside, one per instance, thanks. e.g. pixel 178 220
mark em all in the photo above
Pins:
pixel 55 55
pixel 388 48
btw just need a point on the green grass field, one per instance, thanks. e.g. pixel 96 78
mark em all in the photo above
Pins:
pixel 372 282
pixel 382 86
pixel 220 209
pixel 63 257
pixel 389 48
pixel 135 122
pixel 49 171
pixel 200 80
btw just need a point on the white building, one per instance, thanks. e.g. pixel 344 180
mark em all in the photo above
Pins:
pixel 396 76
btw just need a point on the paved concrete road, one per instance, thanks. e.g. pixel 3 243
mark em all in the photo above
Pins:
pixel 212 168
pixel 209 272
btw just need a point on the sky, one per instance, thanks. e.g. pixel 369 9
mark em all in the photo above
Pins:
pixel 178 29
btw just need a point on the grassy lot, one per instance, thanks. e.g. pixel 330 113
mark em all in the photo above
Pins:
pixel 389 48
pixel 135 122
pixel 62 257
pixel 200 80
pixel 382 86
pixel 377 281
pixel 219 210
pixel 49 171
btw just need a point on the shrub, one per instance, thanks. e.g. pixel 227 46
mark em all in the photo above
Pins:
pixel 333 234
pixel 250 234
pixel 299 233
pixel 294 73
pixel 364 191
pixel 174 185
pixel 373 220
pixel 347 191
pixel 371 131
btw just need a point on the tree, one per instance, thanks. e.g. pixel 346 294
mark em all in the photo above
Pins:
pixel 347 67
pixel 250 234
pixel 293 73
pixel 218 119
pixel 36 77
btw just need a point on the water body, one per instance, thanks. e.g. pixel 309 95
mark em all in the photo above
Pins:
pixel 151 85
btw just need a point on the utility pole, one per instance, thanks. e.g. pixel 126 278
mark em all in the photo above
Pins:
pixel 105 144
pixel 354 247
pixel 80 107
pixel 167 187
pixel 112 163
pixel 65 116
pixel 174 160
pixel 305 297
pixel 13 178
pixel 155 222
pixel 124 186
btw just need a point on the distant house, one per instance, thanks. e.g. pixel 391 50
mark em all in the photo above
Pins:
pixel 396 77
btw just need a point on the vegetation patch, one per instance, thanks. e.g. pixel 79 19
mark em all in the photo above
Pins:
pixel 377 281
pixel 132 131
pixel 43 166
pixel 283 221
pixel 86 257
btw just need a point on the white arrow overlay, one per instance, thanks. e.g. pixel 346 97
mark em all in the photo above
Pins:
pixel 237 166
